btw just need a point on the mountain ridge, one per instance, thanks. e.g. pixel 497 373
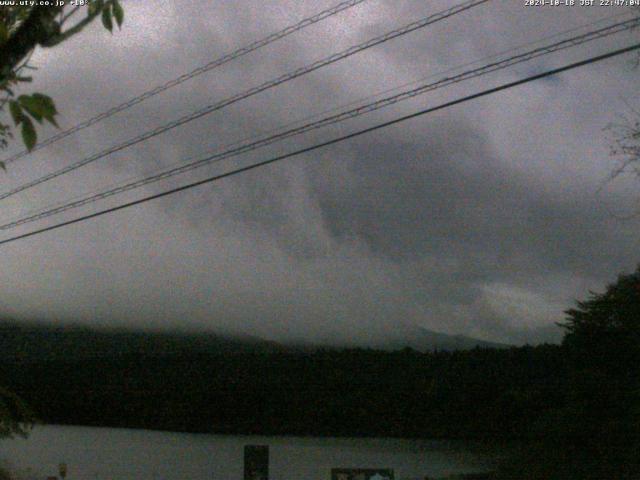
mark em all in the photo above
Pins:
pixel 31 341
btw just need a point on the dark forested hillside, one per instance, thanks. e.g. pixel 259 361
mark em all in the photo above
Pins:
pixel 327 392
pixel 40 342
pixel 575 407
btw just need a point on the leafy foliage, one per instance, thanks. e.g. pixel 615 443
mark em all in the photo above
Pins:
pixel 22 29
pixel 480 393
pixel 15 416
pixel 571 410
pixel 595 432
pixel 28 107
pixel 111 11
pixel 612 317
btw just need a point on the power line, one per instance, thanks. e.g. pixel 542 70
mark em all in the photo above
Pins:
pixel 288 125
pixel 253 91
pixel 358 133
pixel 580 39
pixel 342 116
pixel 193 73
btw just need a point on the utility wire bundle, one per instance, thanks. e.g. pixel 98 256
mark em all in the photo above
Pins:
pixel 318 17
pixel 331 119
pixel 411 27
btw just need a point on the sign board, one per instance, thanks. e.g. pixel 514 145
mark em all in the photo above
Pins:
pixel 362 474
pixel 256 462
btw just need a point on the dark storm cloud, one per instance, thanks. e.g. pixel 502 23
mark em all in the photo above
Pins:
pixel 409 199
pixel 482 219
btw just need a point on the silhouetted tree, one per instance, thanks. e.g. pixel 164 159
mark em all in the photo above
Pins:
pixel 595 431
pixel 15 417
pixel 606 327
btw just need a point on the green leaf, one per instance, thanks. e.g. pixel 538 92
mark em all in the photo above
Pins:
pixel 29 136
pixel 118 12
pixel 3 166
pixel 33 106
pixel 47 100
pixel 47 104
pixel 95 7
pixel 53 122
pixel 16 112
pixel 106 18
pixel 48 107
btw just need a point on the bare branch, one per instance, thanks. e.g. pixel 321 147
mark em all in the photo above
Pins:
pixel 78 27
pixel 68 15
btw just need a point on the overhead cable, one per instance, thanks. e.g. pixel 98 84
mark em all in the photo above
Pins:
pixel 332 119
pixel 253 91
pixel 326 143
pixel 188 76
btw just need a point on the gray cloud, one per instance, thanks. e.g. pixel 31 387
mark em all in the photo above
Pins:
pixel 482 219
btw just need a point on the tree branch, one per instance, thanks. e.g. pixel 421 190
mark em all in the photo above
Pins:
pixel 36 29
pixel 68 15
pixel 62 36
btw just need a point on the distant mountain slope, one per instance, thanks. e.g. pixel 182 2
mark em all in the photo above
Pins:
pixel 36 342
pixel 46 342
pixel 423 340
pixel 400 337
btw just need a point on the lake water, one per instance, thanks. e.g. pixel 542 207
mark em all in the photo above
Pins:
pixel 121 454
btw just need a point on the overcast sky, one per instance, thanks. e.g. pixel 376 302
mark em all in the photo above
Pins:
pixel 484 219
